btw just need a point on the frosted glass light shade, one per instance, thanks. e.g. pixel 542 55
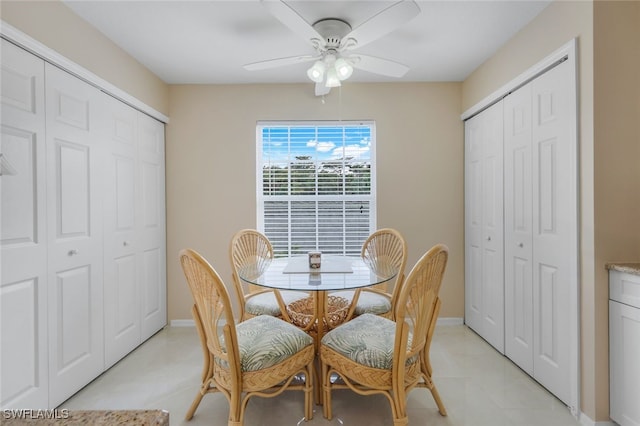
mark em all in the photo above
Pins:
pixel 316 72
pixel 332 78
pixel 343 69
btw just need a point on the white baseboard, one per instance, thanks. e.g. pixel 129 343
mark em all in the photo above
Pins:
pixel 450 321
pixel 586 421
pixel 182 323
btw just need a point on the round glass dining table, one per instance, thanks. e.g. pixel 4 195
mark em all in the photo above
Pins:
pixel 335 273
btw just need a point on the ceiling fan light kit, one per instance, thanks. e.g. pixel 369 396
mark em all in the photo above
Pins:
pixel 335 70
pixel 332 37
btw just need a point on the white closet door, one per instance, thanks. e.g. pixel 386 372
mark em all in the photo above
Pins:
pixel 518 225
pixel 23 239
pixel 473 223
pixel 121 257
pixel 541 228
pixel 484 310
pixel 75 273
pixel 151 229
pixel 554 227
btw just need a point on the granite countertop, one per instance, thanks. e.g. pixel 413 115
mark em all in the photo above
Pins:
pixel 59 417
pixel 628 267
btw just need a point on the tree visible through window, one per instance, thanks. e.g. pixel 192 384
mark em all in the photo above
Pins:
pixel 316 186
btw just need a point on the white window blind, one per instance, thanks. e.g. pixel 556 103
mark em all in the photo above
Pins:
pixel 316 186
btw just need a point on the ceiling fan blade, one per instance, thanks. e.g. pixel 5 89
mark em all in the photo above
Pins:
pixel 279 62
pixel 378 65
pixel 289 17
pixel 382 23
pixel 321 89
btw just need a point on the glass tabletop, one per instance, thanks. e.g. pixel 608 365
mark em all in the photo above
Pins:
pixel 335 273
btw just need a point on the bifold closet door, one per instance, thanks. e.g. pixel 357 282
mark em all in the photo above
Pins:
pixel 484 269
pixel 121 243
pixel 540 227
pixel 75 244
pixel 23 238
pixel 135 277
pixel 151 226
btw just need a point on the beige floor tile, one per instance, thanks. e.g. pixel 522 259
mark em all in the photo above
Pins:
pixel 478 385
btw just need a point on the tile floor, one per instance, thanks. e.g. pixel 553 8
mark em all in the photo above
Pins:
pixel 478 386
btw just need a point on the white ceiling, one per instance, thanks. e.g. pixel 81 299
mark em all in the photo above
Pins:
pixel 208 42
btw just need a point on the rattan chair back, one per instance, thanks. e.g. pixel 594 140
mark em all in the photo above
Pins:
pixel 415 313
pixel 385 251
pixel 250 253
pixel 418 300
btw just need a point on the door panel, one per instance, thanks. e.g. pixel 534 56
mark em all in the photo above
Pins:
pixel 492 227
pixel 75 257
pixel 484 272
pixel 121 243
pixel 473 224
pixel 23 239
pixel 518 224
pixel 151 228
pixel 554 240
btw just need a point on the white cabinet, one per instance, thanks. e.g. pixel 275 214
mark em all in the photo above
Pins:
pixel 75 206
pixel 624 347
pixel 521 228
pixel 484 261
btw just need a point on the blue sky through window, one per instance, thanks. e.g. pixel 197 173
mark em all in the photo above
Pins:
pixel 281 144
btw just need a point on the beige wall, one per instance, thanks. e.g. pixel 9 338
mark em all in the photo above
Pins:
pixel 57 27
pixel 211 160
pixel 211 148
pixel 616 160
pixel 608 36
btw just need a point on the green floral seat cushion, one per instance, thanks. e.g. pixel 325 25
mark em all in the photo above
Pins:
pixel 265 341
pixel 368 302
pixel 368 340
pixel 266 303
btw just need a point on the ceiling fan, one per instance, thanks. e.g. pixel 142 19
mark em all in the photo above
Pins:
pixel 334 38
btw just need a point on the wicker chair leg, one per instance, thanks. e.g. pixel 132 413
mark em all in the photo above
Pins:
pixel 194 406
pixel 235 409
pixel 436 397
pixel 326 387
pixel 401 422
pixel 308 390
pixel 317 390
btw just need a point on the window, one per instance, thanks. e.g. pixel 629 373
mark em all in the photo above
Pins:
pixel 316 186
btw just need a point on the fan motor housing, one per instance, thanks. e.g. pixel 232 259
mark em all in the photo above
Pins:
pixel 332 30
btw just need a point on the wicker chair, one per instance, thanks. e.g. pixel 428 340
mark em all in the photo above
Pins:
pixel 258 357
pixel 385 248
pixel 374 355
pixel 252 250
